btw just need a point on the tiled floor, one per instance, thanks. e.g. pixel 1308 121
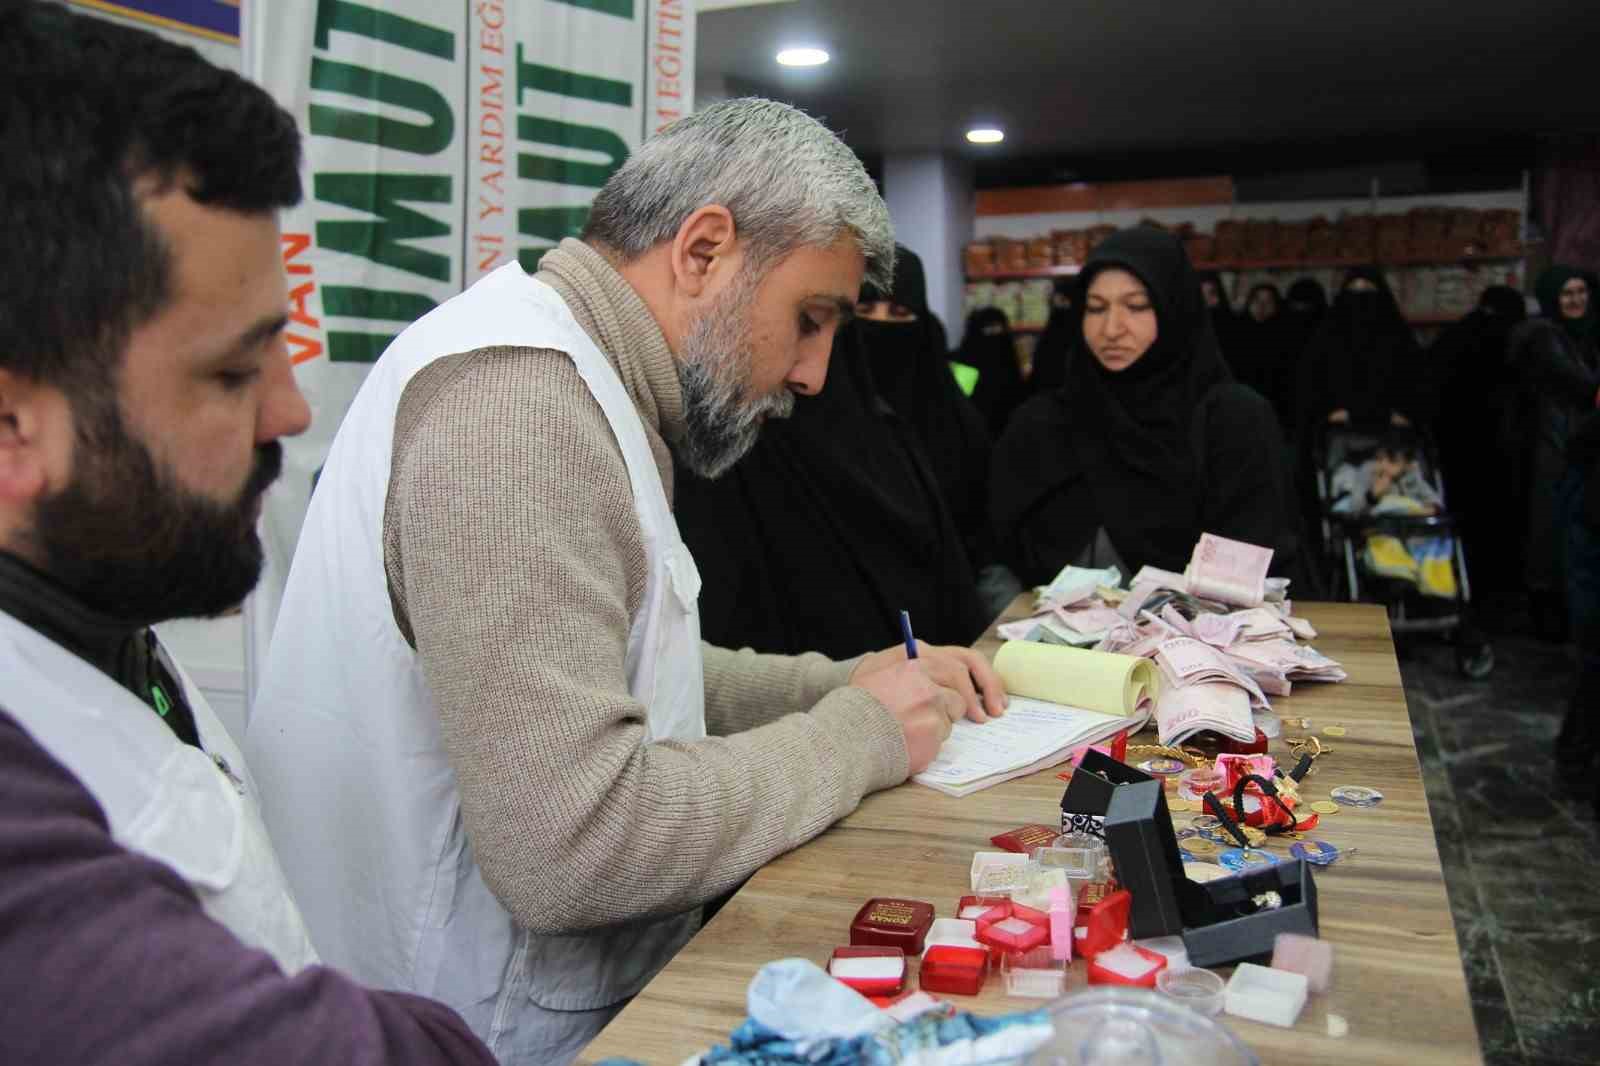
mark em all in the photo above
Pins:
pixel 1521 860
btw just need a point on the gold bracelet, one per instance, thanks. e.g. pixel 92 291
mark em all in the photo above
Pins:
pixel 1192 756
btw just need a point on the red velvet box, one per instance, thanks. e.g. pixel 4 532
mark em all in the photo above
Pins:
pixel 1025 838
pixel 1101 974
pixel 1103 925
pixel 851 966
pixel 892 923
pixel 953 970
pixel 1012 928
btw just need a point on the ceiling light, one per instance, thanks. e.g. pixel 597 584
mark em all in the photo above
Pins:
pixel 802 57
pixel 986 135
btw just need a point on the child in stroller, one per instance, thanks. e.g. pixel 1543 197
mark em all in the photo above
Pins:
pixel 1390 537
pixel 1392 482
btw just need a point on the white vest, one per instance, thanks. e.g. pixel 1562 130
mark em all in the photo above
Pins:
pixel 191 809
pixel 346 738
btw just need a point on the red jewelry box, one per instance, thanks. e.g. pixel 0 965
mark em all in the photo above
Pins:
pixel 1013 928
pixel 953 970
pixel 1099 974
pixel 1104 925
pixel 869 983
pixel 892 923
pixel 1025 838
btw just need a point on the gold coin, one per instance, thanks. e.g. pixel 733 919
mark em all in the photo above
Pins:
pixel 1325 807
pixel 1334 730
pixel 1253 836
pixel 1182 806
pixel 1199 846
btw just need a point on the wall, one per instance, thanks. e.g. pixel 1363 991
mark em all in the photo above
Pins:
pixel 931 204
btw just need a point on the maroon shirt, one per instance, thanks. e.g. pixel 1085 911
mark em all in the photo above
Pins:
pixel 106 957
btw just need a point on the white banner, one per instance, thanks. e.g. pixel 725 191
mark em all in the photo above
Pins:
pixel 442 139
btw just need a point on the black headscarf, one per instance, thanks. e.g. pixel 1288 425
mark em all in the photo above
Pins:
pixel 1304 307
pixel 989 346
pixel 1128 432
pixel 1363 359
pixel 1548 290
pixel 832 525
pixel 1055 343
pixel 1259 355
pixel 910 367
pixel 1223 318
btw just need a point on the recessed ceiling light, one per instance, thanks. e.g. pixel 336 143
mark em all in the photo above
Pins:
pixel 802 57
pixel 986 135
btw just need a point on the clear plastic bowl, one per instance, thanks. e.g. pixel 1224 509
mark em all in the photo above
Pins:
pixel 1199 990
pixel 1136 1027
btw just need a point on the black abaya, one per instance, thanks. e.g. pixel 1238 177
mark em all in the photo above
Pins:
pixel 1363 359
pixel 910 368
pixel 989 346
pixel 832 525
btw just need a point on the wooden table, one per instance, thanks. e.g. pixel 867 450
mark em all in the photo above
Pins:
pixel 1397 970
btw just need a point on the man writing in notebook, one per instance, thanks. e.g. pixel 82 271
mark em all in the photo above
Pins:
pixel 487 676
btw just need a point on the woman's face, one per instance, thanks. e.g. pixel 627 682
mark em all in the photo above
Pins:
pixel 884 311
pixel 1575 298
pixel 1263 305
pixel 1119 322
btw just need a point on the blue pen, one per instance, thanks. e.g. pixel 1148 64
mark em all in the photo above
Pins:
pixel 905 631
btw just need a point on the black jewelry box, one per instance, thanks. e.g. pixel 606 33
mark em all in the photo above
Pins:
pixel 1088 794
pixel 1227 920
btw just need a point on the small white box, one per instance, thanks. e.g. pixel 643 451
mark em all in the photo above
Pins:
pixel 1263 994
pixel 952 932
pixel 1170 946
pixel 996 873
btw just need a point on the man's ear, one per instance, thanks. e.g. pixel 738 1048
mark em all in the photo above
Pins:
pixel 705 252
pixel 35 425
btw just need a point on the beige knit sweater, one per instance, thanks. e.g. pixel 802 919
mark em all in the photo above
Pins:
pixel 516 564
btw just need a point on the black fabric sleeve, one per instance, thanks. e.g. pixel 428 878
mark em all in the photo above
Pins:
pixel 1043 511
pixel 1539 349
pixel 107 958
pixel 1247 494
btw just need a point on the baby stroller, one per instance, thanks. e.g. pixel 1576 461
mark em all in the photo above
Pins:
pixel 1388 536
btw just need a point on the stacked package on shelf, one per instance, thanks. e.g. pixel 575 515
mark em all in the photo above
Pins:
pixel 1229 240
pixel 1322 239
pixel 978 258
pixel 1394 237
pixel 1358 237
pixel 1033 303
pixel 1071 247
pixel 978 294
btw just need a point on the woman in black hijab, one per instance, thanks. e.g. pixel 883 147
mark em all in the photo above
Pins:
pixel 1556 357
pixel 1055 343
pixel 1150 443
pixel 1260 355
pixel 989 347
pixel 1362 366
pixel 1223 319
pixel 827 529
pixel 1481 444
pixel 906 352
